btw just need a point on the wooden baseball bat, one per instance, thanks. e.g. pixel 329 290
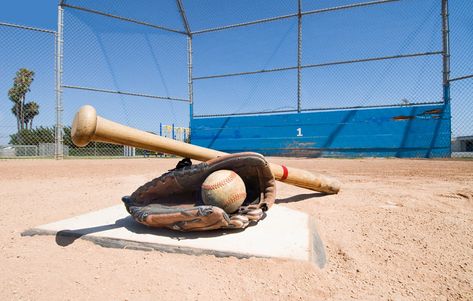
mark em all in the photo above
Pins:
pixel 87 126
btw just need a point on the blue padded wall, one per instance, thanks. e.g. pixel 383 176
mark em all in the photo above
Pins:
pixel 409 131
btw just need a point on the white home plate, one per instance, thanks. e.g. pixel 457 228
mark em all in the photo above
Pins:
pixel 284 233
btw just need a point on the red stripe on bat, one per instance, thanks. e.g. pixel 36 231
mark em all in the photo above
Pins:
pixel 285 172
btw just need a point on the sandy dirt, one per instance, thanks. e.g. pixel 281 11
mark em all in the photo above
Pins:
pixel 398 230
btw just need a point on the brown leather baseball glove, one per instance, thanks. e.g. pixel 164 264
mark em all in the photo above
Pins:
pixel 173 200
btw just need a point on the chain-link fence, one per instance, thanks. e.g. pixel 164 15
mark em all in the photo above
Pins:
pixel 129 71
pixel 27 87
pixel 313 55
pixel 461 77
pixel 118 58
pixel 154 65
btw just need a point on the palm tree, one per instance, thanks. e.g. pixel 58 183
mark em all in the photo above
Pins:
pixel 31 111
pixel 17 94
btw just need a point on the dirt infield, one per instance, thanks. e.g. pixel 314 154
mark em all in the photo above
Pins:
pixel 398 230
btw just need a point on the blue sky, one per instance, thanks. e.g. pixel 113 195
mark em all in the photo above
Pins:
pixel 105 53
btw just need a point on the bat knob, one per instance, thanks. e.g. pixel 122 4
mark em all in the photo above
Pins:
pixel 84 125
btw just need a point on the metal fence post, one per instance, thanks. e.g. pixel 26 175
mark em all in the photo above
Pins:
pixel 445 51
pixel 299 54
pixel 189 79
pixel 58 139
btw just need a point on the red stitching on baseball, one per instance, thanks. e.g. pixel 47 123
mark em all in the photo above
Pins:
pixel 235 197
pixel 220 183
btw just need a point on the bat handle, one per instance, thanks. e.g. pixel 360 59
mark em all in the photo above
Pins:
pixel 305 179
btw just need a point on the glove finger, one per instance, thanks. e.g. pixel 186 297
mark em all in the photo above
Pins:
pixel 253 212
pixel 246 209
pixel 216 219
pixel 198 218
pixel 255 215
pixel 238 222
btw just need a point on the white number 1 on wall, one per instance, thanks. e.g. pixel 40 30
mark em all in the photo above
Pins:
pixel 299 132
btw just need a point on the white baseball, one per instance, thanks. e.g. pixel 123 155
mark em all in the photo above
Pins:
pixel 225 189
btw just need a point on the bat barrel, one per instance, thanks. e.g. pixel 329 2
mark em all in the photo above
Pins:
pixel 84 126
pixel 87 127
